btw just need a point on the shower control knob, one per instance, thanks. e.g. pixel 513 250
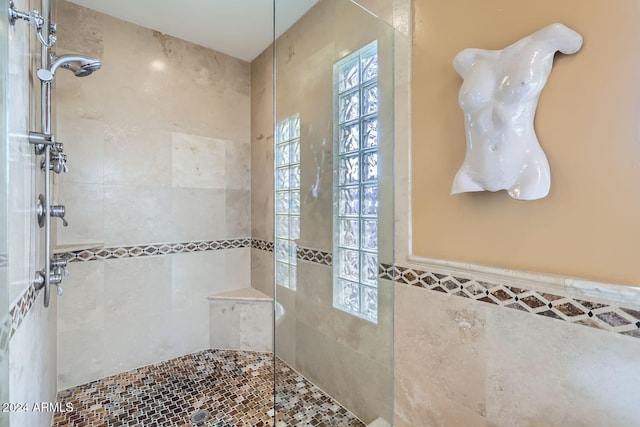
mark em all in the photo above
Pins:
pixel 55 280
pixel 58 163
pixel 61 271
pixel 59 266
pixel 58 211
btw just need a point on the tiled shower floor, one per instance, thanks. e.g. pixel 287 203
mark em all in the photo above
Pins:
pixel 235 387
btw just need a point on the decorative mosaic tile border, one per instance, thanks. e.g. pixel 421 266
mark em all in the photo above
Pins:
pixel 314 255
pixel 608 317
pixel 17 313
pixel 262 245
pixel 118 252
pixel 5 335
pixel 305 254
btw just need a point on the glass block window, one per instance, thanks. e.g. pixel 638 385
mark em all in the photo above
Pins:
pixel 355 286
pixel 287 200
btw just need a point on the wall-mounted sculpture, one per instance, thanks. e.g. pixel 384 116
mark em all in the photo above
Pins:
pixel 499 97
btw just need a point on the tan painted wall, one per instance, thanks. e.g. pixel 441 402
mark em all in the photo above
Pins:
pixel 587 123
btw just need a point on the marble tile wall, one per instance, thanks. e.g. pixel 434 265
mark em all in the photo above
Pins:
pixel 159 152
pixel 32 356
pixel 462 362
pixel 262 225
pixel 165 297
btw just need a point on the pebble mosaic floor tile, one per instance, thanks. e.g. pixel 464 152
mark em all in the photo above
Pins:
pixel 234 387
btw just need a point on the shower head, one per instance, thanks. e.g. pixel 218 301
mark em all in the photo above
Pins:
pixel 80 65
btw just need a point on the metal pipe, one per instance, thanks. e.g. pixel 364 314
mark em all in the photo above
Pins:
pixel 45 115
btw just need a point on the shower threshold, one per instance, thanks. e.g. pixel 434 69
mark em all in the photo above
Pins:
pixel 234 388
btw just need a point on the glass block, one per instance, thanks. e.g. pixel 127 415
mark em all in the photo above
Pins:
pixel 282 154
pixel 349 203
pixel 349 138
pixel 294 227
pixel 294 177
pixel 294 151
pixel 370 303
pixel 294 202
pixel 348 75
pixel 282 178
pixel 369 273
pixel 370 99
pixel 369 235
pixel 349 107
pixel 294 127
pixel 348 264
pixel 282 131
pixel 349 296
pixel 370 132
pixel 282 250
pixel 282 274
pixel 369 65
pixel 293 252
pixel 282 202
pixel 349 171
pixel 349 233
pixel 370 166
pixel 293 280
pixel 282 226
pixel 370 200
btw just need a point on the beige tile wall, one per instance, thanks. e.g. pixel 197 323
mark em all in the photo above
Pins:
pixel 465 363
pixel 159 151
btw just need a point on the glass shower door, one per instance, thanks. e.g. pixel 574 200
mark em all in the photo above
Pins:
pixel 333 216
pixel 5 325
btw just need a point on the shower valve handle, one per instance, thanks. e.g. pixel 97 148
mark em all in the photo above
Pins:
pixel 58 211
pixel 58 163
pixel 59 266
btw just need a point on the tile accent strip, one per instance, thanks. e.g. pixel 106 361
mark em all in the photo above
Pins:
pixel 314 255
pixel 608 317
pixel 5 335
pixel 302 253
pixel 17 313
pixel 117 252
pixel 262 245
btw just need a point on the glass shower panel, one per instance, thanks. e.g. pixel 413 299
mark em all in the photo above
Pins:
pixel 5 326
pixel 335 72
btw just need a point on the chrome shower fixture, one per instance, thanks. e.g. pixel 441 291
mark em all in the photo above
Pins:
pixel 80 65
pixel 34 17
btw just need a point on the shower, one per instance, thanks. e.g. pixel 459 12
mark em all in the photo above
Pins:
pixel 80 65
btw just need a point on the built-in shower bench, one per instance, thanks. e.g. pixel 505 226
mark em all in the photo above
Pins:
pixel 241 319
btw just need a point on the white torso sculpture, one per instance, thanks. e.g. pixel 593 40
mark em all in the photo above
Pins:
pixel 499 97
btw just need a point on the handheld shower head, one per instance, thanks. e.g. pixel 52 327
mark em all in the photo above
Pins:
pixel 80 65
